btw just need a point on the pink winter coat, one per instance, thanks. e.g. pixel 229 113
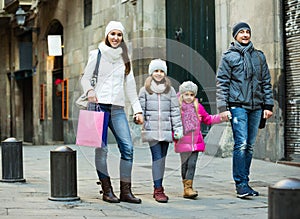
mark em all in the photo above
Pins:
pixel 193 141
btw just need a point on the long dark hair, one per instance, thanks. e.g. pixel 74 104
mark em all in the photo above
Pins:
pixel 124 54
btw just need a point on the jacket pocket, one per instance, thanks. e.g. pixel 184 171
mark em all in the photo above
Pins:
pixel 235 93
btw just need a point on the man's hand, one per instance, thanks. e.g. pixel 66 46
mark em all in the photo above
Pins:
pixel 267 114
pixel 225 116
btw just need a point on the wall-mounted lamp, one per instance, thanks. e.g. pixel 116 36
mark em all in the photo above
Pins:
pixel 21 18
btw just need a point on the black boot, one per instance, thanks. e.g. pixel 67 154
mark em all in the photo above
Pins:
pixel 126 194
pixel 107 190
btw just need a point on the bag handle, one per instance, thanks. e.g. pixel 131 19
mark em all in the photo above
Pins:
pixel 95 73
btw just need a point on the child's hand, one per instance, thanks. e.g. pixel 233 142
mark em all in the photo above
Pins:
pixel 138 119
pixel 178 134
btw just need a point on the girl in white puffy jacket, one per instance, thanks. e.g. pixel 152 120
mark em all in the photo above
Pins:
pixel 162 116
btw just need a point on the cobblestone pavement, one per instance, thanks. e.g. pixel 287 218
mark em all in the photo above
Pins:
pixel 213 181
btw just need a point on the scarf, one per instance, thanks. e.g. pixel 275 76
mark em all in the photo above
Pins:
pixel 111 54
pixel 157 88
pixel 245 51
pixel 190 120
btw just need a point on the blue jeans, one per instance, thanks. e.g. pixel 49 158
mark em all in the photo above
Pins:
pixel 118 124
pixel 159 152
pixel 244 125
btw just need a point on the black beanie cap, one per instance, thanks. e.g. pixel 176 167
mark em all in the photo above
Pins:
pixel 240 26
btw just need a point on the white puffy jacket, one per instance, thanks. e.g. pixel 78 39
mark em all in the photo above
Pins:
pixel 112 84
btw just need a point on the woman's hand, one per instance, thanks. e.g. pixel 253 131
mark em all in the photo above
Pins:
pixel 92 98
pixel 138 118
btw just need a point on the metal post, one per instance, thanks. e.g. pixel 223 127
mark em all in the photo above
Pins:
pixel 284 199
pixel 12 160
pixel 63 174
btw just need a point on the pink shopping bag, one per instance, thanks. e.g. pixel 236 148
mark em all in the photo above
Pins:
pixel 90 128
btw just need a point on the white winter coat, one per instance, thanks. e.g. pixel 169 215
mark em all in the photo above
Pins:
pixel 112 83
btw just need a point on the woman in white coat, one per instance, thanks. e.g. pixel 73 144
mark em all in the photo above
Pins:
pixel 115 76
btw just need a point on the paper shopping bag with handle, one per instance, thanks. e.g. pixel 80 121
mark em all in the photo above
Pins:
pixel 105 128
pixel 90 128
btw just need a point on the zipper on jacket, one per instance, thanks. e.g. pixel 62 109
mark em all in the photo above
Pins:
pixel 193 140
pixel 252 93
pixel 159 115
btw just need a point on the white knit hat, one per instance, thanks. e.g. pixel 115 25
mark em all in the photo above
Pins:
pixel 188 86
pixel 157 64
pixel 114 25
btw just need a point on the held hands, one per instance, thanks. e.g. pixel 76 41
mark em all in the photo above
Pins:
pixel 138 118
pixel 178 135
pixel 225 116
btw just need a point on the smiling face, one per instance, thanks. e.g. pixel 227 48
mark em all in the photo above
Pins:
pixel 243 36
pixel 188 97
pixel 115 38
pixel 158 75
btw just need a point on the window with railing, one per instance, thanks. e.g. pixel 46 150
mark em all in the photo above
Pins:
pixel 19 2
pixel 8 2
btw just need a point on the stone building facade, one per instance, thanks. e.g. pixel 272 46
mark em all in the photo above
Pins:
pixel 35 109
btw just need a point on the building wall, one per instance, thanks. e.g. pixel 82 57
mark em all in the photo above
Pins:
pixel 144 19
pixel 145 24
pixel 5 114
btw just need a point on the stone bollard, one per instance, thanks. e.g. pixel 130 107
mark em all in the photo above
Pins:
pixel 284 199
pixel 12 160
pixel 63 174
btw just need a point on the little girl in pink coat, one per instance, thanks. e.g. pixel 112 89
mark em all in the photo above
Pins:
pixel 192 115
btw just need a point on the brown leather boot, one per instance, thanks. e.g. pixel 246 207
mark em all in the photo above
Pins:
pixel 188 189
pixel 159 195
pixel 107 190
pixel 126 194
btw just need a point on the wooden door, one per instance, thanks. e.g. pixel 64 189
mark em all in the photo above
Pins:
pixel 191 50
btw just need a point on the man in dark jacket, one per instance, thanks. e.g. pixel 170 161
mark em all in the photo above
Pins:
pixel 244 95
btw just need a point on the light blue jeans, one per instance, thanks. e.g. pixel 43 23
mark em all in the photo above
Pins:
pixel 244 125
pixel 118 124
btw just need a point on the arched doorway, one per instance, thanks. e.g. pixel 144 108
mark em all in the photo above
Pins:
pixel 55 28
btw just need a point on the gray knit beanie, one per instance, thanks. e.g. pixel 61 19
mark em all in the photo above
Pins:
pixel 157 64
pixel 238 27
pixel 188 86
